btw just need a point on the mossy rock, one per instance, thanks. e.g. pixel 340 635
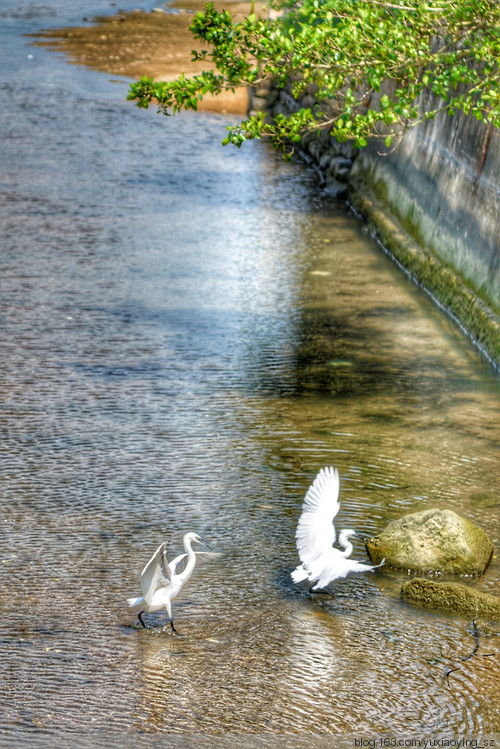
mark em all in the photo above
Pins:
pixel 434 542
pixel 452 597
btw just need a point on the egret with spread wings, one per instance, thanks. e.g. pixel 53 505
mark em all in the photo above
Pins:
pixel 160 581
pixel 321 561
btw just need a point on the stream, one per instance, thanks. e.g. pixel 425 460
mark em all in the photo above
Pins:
pixel 188 334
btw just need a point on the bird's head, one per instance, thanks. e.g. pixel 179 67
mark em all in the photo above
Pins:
pixel 363 538
pixel 346 534
pixel 195 538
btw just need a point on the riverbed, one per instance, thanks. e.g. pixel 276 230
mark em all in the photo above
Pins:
pixel 189 333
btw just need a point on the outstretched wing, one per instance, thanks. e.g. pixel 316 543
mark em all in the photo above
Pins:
pixel 315 532
pixel 156 572
pixel 178 564
pixel 177 561
pixel 336 566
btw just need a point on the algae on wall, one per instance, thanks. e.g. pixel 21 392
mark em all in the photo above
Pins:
pixel 443 183
pixel 441 188
pixel 433 201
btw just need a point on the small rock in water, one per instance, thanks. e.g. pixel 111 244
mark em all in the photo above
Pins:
pixel 452 597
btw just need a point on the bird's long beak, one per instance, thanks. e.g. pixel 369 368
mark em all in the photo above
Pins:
pixel 204 543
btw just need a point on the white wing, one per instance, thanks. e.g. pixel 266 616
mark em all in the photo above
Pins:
pixel 173 564
pixel 336 566
pixel 155 573
pixel 315 531
pixel 182 558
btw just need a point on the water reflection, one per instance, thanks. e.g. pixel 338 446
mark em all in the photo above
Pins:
pixel 188 335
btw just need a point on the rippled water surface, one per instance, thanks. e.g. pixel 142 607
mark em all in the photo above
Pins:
pixel 188 334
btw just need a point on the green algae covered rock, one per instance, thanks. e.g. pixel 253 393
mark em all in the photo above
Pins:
pixel 434 542
pixel 452 597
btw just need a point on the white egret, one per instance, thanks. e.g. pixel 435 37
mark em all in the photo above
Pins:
pixel 160 582
pixel 321 561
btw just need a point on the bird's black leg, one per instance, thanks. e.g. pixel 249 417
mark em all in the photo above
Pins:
pixel 312 589
pixel 140 619
pixel 172 626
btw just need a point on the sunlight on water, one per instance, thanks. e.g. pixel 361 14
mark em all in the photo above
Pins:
pixel 188 334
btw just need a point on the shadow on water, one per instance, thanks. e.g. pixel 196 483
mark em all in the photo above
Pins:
pixel 188 335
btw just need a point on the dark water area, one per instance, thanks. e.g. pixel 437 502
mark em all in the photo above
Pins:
pixel 188 334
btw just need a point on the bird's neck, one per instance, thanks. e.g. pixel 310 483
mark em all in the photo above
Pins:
pixel 186 542
pixel 191 558
pixel 188 570
pixel 347 549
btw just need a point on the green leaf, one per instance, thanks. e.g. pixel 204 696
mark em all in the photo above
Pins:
pixel 344 52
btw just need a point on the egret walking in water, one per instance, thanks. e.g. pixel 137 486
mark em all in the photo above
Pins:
pixel 161 583
pixel 321 561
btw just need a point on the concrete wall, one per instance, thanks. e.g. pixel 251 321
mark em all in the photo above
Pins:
pixel 434 202
pixel 443 183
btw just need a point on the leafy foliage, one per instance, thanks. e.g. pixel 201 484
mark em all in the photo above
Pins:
pixel 369 64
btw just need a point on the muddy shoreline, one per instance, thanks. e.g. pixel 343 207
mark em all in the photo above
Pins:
pixel 157 44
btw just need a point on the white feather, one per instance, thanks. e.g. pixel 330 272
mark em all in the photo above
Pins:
pixel 156 573
pixel 315 531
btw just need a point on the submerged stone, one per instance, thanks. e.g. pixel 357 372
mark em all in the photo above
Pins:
pixel 452 597
pixel 433 541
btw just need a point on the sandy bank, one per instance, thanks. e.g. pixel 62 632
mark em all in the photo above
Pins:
pixel 155 44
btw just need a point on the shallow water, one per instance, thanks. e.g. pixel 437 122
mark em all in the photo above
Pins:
pixel 188 334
